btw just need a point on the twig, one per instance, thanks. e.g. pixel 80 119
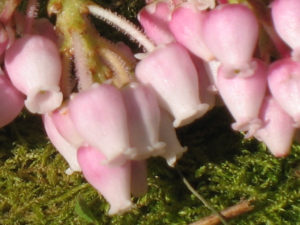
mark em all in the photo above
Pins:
pixel 233 211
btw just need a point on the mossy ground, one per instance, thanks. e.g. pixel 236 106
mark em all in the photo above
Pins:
pixel 220 164
pixel 222 167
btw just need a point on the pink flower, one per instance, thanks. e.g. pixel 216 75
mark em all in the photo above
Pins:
pixel 243 96
pixel 170 71
pixel 186 25
pixel 34 67
pixel 113 182
pixel 230 32
pixel 173 148
pixel 154 19
pixel 277 130
pixel 286 19
pixel 12 101
pixel 65 126
pixel 284 84
pixel 65 148
pixel 99 115
pixel 143 117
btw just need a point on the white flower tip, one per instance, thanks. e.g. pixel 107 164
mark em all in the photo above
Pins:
pixel 140 56
pixel 69 171
pixel 44 101
pixel 121 207
pixel 249 125
pixel 191 115
pixel 171 160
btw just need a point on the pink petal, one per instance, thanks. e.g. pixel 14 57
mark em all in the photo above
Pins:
pixel 113 182
pixel 278 130
pixel 154 19
pixel 143 121
pixel 243 96
pixel 66 149
pixel 186 25
pixel 12 101
pixel 170 71
pixel 230 32
pixel 173 149
pixel 34 66
pixel 99 115
pixel 284 84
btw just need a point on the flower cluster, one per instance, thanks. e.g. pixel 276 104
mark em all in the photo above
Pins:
pixel 118 112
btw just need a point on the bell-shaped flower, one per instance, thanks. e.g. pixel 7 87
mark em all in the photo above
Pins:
pixel 277 131
pixel 99 115
pixel 286 20
pixel 65 126
pixel 139 184
pixel 284 84
pixel 154 19
pixel 143 118
pixel 186 25
pixel 230 31
pixel 12 101
pixel 65 148
pixel 173 149
pixel 170 71
pixel 243 96
pixel 113 182
pixel 34 66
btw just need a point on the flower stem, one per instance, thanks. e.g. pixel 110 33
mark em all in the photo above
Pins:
pixel 124 25
pixel 202 199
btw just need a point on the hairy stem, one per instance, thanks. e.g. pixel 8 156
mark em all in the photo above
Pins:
pixel 124 25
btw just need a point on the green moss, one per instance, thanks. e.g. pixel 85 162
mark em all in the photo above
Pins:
pixel 222 167
pixel 220 164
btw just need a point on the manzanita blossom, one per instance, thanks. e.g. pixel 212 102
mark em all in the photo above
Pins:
pixel 154 18
pixel 12 101
pixel 65 148
pixel 65 126
pixel 176 83
pixel 186 25
pixel 230 31
pixel 113 182
pixel 143 117
pixel 286 19
pixel 173 148
pixel 99 115
pixel 277 131
pixel 34 66
pixel 284 84
pixel 243 96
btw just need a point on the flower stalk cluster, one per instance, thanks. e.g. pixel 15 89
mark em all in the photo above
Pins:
pixel 107 112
